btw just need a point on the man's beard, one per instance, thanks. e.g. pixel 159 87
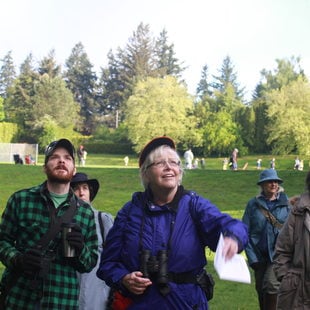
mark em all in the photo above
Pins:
pixel 53 177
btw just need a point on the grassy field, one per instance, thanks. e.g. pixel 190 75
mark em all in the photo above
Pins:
pixel 229 190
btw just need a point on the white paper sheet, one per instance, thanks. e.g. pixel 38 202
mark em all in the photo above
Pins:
pixel 235 269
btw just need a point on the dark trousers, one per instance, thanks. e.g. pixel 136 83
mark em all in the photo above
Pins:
pixel 267 300
pixel 259 280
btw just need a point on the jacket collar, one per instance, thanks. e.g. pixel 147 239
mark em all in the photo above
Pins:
pixel 170 207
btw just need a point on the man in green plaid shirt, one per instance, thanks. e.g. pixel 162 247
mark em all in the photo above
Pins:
pixel 46 279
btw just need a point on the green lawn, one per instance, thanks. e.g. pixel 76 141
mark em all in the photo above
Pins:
pixel 228 190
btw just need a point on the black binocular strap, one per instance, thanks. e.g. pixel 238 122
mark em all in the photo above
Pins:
pixel 55 228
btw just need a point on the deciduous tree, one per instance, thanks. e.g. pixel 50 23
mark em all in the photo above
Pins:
pixel 159 106
pixel 286 71
pixel 289 112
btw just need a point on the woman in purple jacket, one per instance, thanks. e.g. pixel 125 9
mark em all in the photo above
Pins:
pixel 155 251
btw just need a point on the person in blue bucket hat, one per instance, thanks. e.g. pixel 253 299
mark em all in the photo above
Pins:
pixel 269 175
pixel 264 215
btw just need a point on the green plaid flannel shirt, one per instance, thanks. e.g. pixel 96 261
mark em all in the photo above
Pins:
pixel 25 220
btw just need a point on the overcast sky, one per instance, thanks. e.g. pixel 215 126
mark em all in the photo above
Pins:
pixel 252 32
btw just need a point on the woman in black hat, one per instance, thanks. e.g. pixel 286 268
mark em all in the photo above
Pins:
pixel 155 251
pixel 93 291
pixel 265 215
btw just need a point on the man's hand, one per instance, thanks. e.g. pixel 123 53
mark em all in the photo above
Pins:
pixel 29 262
pixel 76 239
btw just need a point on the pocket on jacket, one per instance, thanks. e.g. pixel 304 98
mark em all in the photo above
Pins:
pixel 290 281
pixel 288 291
pixel 307 292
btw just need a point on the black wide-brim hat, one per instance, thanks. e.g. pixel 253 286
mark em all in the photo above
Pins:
pixel 80 177
pixel 152 145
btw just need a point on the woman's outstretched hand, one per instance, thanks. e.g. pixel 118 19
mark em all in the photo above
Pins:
pixel 230 248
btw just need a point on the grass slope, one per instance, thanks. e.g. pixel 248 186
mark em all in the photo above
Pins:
pixel 229 190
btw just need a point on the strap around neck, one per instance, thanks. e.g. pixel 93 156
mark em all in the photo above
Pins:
pixel 56 226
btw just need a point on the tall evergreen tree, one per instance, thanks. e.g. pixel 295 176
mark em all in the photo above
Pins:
pixel 133 63
pixel 142 57
pixel 203 89
pixel 111 91
pixel 227 76
pixel 167 62
pixel 137 59
pixel 2 115
pixel 7 74
pixel 81 80
pixel 48 65
pixel 19 102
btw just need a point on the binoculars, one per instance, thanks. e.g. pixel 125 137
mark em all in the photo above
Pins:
pixel 156 268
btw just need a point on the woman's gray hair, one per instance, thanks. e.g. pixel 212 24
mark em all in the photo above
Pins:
pixel 158 152
pixel 261 189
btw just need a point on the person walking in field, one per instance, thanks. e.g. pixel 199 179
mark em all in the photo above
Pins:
pixel 234 160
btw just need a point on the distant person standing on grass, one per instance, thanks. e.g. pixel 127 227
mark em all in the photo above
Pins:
pixel 234 162
pixel 273 163
pixel 82 155
pixel 296 163
pixel 189 157
pixel 259 164
pixel 126 160
pixel 264 215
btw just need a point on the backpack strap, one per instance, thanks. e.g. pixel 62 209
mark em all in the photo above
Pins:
pixel 101 225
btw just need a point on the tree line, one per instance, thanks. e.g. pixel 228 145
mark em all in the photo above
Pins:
pixel 141 93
